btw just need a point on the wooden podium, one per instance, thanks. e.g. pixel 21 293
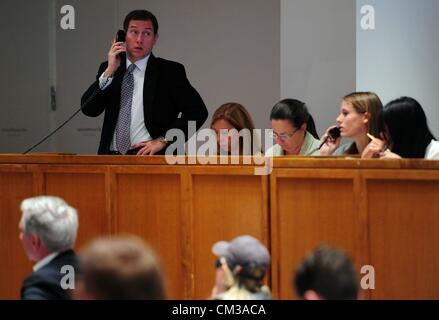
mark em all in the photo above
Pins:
pixel 384 213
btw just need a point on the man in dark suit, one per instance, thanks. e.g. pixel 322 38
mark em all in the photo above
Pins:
pixel 143 96
pixel 48 228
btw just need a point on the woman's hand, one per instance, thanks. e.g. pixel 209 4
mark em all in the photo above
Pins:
pixel 373 149
pixel 389 155
pixel 330 144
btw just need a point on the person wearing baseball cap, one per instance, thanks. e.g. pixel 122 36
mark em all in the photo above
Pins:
pixel 240 269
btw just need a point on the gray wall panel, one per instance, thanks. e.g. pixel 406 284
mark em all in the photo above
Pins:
pixel 24 64
pixel 318 55
pixel 400 57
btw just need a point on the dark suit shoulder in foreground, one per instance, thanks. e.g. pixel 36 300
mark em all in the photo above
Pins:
pixel 45 283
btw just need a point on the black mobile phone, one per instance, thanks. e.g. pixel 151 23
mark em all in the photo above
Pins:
pixel 334 132
pixel 120 36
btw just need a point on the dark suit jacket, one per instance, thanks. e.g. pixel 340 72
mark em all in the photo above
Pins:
pixel 166 93
pixel 45 283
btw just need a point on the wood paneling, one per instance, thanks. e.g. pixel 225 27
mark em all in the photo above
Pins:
pixel 223 207
pixel 15 266
pixel 85 192
pixel 383 213
pixel 404 224
pixel 310 212
pixel 148 205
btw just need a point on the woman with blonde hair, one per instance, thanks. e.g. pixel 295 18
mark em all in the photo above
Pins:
pixel 229 123
pixel 358 117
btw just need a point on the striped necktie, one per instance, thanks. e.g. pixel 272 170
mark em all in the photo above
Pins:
pixel 123 126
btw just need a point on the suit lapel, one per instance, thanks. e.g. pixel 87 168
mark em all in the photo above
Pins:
pixel 149 87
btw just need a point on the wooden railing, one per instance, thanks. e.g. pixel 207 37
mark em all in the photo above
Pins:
pixel 383 213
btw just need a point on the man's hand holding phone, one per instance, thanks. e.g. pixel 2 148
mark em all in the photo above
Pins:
pixel 114 55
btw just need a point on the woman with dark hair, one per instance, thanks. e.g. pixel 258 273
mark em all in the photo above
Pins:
pixel 229 122
pixel 294 130
pixel 358 117
pixel 404 130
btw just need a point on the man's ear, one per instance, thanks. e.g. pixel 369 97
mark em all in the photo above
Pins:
pixel 36 242
pixel 156 38
pixel 237 270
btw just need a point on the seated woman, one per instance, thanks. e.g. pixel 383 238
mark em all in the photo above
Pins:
pixel 404 130
pixel 227 122
pixel 358 117
pixel 294 130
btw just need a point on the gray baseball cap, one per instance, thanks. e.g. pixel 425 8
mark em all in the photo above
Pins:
pixel 246 251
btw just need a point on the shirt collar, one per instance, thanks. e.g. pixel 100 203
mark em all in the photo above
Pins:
pixel 141 64
pixel 306 146
pixel 45 261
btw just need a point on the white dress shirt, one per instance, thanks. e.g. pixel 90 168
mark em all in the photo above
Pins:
pixel 45 261
pixel 432 151
pixel 138 131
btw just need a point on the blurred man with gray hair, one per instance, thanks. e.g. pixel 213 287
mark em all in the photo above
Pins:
pixel 48 228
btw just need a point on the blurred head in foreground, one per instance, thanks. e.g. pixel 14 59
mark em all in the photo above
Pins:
pixel 326 274
pixel 120 267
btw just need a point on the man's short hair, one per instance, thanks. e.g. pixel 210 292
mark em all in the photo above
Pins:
pixel 121 267
pixel 330 273
pixel 142 15
pixel 52 220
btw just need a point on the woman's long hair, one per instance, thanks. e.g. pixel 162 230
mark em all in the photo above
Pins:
pixel 365 102
pixel 239 118
pixel 404 124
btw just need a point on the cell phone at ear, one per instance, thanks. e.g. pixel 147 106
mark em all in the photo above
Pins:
pixel 334 132
pixel 120 36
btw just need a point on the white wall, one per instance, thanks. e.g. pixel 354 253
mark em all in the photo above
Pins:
pixel 400 57
pixel 318 55
pixel 24 80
